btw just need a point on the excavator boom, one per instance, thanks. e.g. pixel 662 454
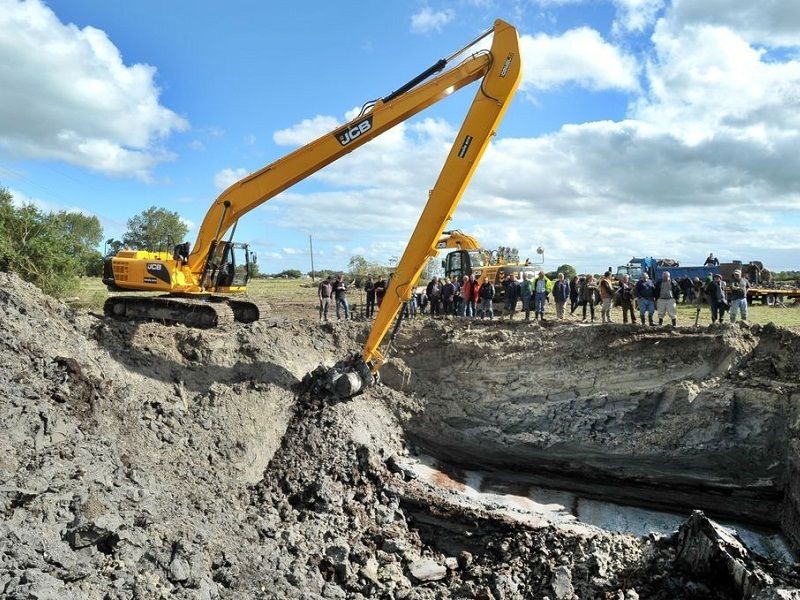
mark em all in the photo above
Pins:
pixel 500 80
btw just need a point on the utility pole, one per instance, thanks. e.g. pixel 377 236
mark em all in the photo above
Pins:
pixel 311 250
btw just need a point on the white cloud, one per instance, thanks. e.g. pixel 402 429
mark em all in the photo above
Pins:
pixel 67 95
pixel 190 225
pixel 228 177
pixel 428 20
pixel 291 251
pixel 707 80
pixel 305 131
pixel 250 139
pixel 579 55
pixel 196 145
pixel 771 22
pixel 20 199
pixel 635 15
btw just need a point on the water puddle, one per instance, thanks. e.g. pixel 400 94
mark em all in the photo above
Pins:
pixel 539 506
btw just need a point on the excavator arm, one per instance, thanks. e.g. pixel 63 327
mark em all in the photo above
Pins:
pixel 255 189
pixel 500 77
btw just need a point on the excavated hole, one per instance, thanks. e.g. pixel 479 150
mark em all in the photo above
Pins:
pixel 594 419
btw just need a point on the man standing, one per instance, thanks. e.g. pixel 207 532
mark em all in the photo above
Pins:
pixel 574 293
pixel 645 294
pixel 369 288
pixel 717 298
pixel 667 294
pixel 512 294
pixel 541 288
pixel 711 261
pixel 607 296
pixel 340 293
pixel 434 292
pixel 526 291
pixel 486 293
pixel 467 306
pixel 380 291
pixel 324 291
pixel 625 295
pixel 561 293
pixel 588 293
pixel 448 295
pixel 739 286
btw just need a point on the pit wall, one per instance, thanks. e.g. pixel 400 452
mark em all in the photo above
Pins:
pixel 790 513
pixel 664 418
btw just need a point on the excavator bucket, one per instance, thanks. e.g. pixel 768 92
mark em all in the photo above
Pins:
pixel 346 379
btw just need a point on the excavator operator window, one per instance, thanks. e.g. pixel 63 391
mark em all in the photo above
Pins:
pixel 458 264
pixel 240 264
pixel 475 260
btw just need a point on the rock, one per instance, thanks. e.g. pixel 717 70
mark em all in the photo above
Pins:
pixel 427 569
pixel 451 562
pixel 338 555
pixel 561 583
pixel 370 570
pixel 709 550
pixel 179 570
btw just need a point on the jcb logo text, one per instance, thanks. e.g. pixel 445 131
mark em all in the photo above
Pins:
pixel 348 134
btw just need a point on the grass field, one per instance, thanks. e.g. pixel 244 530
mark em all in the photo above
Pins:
pixel 299 293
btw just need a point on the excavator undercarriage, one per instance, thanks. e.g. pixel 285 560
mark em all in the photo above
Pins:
pixel 203 312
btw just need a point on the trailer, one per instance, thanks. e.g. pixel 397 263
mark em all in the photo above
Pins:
pixel 772 296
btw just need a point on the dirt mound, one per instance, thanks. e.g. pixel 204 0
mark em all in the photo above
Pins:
pixel 143 461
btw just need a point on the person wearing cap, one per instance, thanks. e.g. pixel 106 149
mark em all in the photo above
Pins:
pixel 738 295
pixel 645 294
pixel 561 292
pixel 526 291
pixel 541 289
pixel 717 298
pixel 667 294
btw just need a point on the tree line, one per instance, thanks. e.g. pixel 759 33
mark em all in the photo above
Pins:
pixel 53 250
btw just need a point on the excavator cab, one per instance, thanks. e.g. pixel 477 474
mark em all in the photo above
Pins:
pixel 228 268
pixel 463 262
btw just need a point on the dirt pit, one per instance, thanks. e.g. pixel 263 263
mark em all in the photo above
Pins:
pixel 143 461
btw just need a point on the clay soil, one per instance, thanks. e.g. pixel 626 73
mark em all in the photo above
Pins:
pixel 149 461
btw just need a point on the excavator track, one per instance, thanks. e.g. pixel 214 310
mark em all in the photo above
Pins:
pixel 246 310
pixel 200 313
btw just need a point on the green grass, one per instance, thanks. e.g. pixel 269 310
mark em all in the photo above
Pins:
pixel 280 292
pixel 92 293
pixel 785 316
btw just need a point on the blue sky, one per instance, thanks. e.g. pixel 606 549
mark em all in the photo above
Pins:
pixel 642 127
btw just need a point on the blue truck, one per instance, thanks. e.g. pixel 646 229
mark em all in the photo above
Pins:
pixel 760 289
pixel 654 267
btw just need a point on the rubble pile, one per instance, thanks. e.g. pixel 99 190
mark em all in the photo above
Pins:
pixel 145 461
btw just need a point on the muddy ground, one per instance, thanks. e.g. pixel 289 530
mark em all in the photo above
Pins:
pixel 146 461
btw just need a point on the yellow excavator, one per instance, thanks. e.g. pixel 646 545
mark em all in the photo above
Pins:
pixel 201 281
pixel 470 258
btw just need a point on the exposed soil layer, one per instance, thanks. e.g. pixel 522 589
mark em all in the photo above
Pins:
pixel 144 461
pixel 667 417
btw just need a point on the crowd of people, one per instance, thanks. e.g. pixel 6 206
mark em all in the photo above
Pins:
pixel 472 298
